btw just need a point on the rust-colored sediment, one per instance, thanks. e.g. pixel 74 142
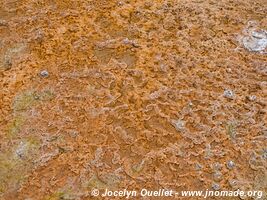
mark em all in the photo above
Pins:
pixel 131 94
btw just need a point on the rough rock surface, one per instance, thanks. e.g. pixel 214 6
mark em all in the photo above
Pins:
pixel 131 94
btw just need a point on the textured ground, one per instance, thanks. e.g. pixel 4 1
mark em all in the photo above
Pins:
pixel 136 94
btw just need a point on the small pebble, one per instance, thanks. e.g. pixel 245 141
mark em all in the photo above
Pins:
pixel 228 94
pixel 217 176
pixel 216 186
pixel 178 124
pixel 230 164
pixel 44 73
pixel 252 98
pixel 232 183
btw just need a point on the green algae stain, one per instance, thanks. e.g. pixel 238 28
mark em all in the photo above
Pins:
pixel 26 148
pixel 21 104
pixel 107 181
pixel 11 54
pixel 65 194
pixel 16 162
pixel 95 182
pixel 136 169
pixel 56 196
pixel 14 127
pixel 231 130
pixel 28 99
pixel 24 101
pixel 112 180
pixel 46 95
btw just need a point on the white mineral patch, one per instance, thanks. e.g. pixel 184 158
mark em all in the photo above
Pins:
pixel 21 150
pixel 228 94
pixel 98 156
pixel 178 124
pixel 256 41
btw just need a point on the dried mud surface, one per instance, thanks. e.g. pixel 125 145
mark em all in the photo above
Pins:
pixel 131 94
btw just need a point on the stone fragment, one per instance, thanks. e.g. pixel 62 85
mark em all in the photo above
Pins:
pixel 216 186
pixel 178 124
pixel 256 41
pixel 44 73
pixel 252 98
pixel 230 164
pixel 229 94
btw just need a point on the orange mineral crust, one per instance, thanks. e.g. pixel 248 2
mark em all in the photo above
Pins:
pixel 132 94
